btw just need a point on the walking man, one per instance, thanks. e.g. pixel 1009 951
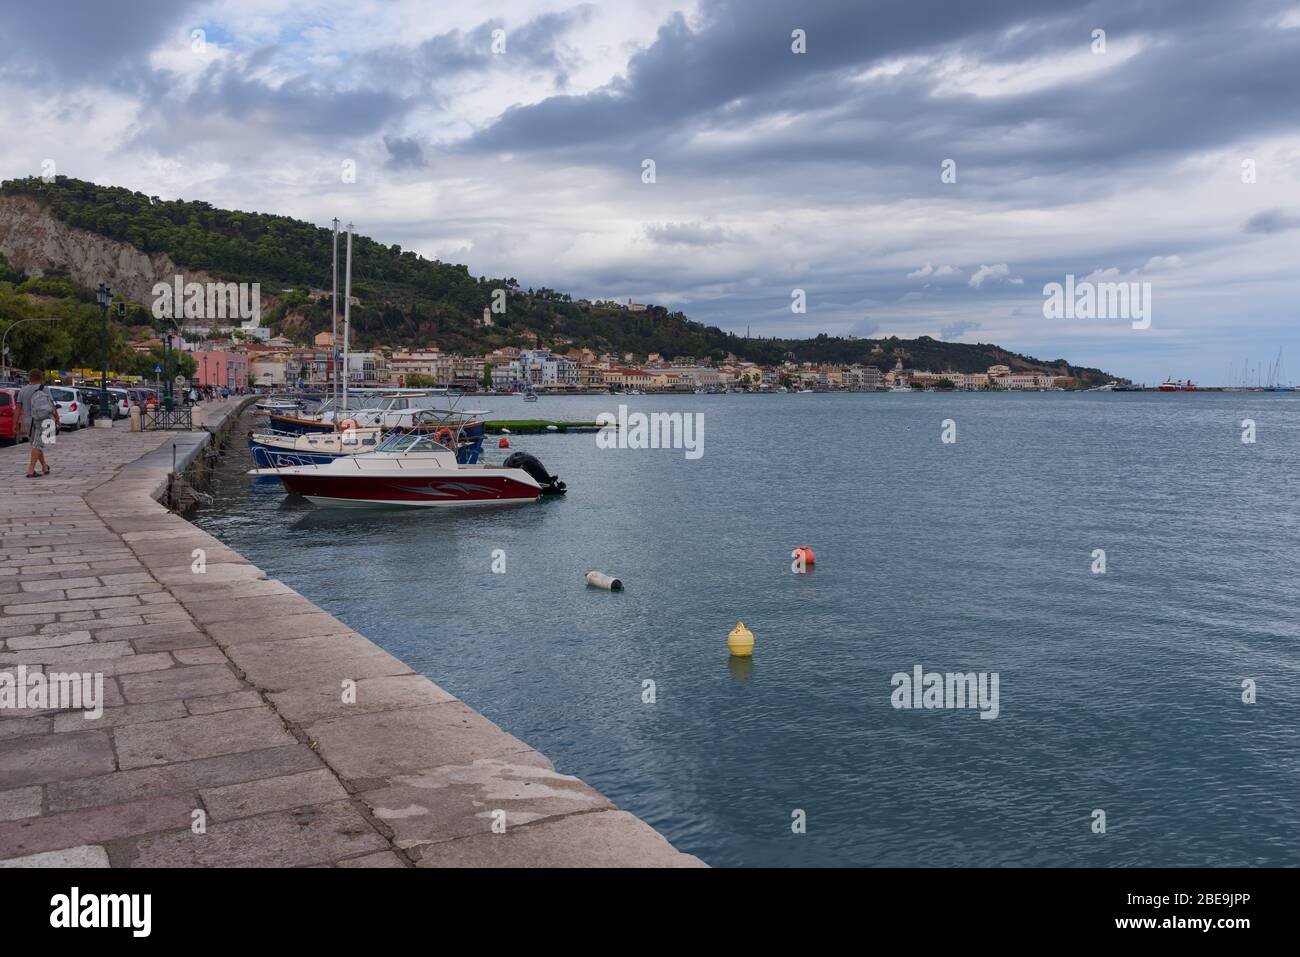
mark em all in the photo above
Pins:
pixel 42 418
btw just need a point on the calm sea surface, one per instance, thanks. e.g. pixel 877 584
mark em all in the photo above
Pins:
pixel 1119 691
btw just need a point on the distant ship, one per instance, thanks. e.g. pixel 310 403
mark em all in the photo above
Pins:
pixel 1177 385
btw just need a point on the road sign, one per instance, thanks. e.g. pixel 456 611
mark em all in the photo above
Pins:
pixel 157 369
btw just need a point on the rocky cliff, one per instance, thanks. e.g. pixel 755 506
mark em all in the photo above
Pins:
pixel 31 239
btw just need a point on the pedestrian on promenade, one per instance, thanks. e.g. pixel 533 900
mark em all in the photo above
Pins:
pixel 42 418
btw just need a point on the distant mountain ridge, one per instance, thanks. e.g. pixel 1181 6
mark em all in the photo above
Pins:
pixel 93 233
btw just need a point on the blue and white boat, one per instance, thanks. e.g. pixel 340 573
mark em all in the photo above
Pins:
pixel 272 450
pixel 275 449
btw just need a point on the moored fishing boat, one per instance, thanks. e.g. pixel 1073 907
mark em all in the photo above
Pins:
pixel 280 449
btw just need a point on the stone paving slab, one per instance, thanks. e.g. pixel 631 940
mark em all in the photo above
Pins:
pixel 85 856
pixel 603 839
pixel 298 741
pixel 451 802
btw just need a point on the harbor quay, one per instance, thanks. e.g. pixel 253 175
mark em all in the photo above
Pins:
pixel 238 724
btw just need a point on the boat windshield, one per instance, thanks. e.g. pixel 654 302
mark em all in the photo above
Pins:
pixel 410 442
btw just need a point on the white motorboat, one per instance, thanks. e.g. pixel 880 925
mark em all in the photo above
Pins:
pixel 277 404
pixel 416 470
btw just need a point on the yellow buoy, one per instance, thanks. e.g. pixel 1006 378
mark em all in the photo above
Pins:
pixel 741 641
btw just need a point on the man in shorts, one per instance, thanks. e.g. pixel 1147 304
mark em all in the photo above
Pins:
pixel 42 418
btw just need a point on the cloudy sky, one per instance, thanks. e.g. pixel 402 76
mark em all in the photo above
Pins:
pixel 513 136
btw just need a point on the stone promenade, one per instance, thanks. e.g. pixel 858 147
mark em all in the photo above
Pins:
pixel 242 726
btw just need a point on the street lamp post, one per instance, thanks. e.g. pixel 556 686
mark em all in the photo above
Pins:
pixel 4 350
pixel 165 394
pixel 104 296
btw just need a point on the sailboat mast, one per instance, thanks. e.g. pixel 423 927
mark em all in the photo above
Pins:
pixel 347 316
pixel 334 319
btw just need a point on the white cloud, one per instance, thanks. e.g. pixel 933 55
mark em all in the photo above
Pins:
pixel 936 272
pixel 988 274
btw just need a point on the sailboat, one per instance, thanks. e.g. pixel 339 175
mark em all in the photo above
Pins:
pixel 1275 375
pixel 416 468
pixel 340 436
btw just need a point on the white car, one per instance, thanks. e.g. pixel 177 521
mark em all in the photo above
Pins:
pixel 74 411
pixel 121 402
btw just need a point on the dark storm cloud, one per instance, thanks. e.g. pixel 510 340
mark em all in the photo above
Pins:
pixel 955 330
pixel 80 40
pixel 1272 221
pixel 742 50
pixel 300 105
pixel 537 44
pixel 1210 74
pixel 404 153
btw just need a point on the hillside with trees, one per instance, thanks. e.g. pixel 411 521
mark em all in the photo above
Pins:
pixel 403 299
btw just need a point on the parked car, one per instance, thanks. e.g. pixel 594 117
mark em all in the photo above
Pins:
pixel 12 427
pixel 144 398
pixel 74 410
pixel 121 399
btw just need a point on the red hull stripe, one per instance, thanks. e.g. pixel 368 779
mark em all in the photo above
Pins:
pixel 476 489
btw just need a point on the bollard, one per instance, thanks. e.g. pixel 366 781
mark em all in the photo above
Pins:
pixel 135 418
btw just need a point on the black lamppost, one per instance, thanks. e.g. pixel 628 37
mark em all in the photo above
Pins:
pixel 166 391
pixel 104 296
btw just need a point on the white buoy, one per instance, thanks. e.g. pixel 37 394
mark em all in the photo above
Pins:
pixel 607 582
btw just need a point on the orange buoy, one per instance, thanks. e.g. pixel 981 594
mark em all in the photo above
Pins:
pixel 804 554
pixel 503 444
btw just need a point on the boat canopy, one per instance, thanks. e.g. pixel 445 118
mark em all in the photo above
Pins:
pixel 411 442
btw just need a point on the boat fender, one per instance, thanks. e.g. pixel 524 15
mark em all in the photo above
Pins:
pixel 607 582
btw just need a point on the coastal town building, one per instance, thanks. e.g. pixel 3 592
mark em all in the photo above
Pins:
pixel 367 369
pixel 402 365
pixel 268 371
pixel 221 369
pixel 278 363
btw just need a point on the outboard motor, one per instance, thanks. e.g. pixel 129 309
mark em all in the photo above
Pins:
pixel 551 485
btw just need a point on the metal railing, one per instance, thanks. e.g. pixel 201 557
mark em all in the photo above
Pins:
pixel 178 417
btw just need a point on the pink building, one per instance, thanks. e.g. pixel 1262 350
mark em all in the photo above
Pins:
pixel 221 368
